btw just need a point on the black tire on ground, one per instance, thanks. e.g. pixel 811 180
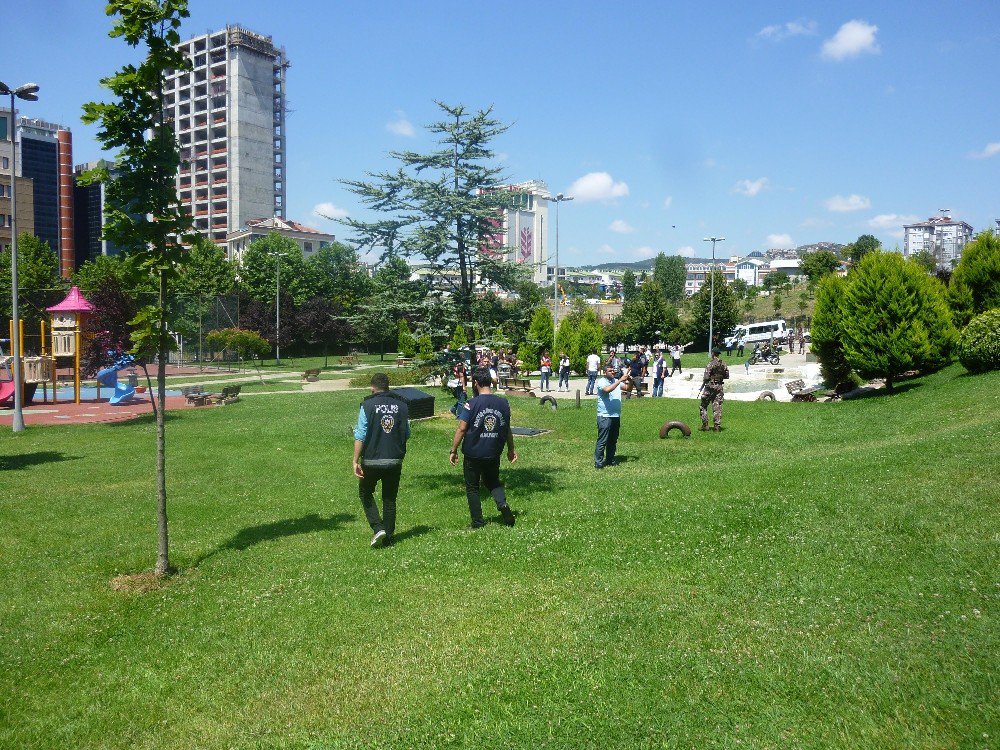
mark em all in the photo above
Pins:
pixel 550 401
pixel 665 430
pixel 766 396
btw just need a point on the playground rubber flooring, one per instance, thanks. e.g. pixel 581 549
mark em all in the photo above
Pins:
pixel 86 412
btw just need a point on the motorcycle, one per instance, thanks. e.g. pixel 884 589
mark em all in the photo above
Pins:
pixel 767 354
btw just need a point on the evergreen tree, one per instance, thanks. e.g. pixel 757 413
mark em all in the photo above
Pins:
pixel 142 210
pixel 977 275
pixel 826 334
pixel 647 317
pixel 459 338
pixel 407 343
pixel 438 206
pixel 538 339
pixel 566 341
pixel 629 288
pixel 895 318
pixel 727 312
pixel 589 338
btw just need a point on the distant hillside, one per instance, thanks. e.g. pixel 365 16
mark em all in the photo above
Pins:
pixel 647 265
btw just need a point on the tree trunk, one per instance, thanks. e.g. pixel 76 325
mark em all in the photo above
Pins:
pixel 162 552
pixel 888 384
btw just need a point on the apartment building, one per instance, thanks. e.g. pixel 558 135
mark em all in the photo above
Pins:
pixel 522 221
pixel 228 112
pixel 945 238
pixel 309 240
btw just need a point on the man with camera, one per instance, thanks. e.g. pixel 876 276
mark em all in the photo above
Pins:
pixel 609 414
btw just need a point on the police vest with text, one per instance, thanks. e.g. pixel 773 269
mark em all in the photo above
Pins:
pixel 387 415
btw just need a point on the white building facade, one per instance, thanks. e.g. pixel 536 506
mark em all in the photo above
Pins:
pixel 942 236
pixel 309 240
pixel 522 223
pixel 228 113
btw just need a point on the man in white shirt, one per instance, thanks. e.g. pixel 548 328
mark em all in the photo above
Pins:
pixel 593 367
pixel 659 368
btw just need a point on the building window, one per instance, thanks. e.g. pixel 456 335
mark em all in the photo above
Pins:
pixel 307 247
pixel 6 163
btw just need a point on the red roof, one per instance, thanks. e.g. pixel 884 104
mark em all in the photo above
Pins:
pixel 74 302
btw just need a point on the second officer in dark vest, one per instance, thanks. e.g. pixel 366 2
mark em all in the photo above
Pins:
pixel 379 447
pixel 483 431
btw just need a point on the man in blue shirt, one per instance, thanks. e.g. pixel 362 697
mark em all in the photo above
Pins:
pixel 609 413
pixel 379 447
pixel 483 430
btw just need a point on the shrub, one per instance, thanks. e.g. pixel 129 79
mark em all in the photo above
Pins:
pixel 397 376
pixel 407 343
pixel 425 347
pixel 826 331
pixel 588 339
pixel 539 338
pixel 977 275
pixel 894 318
pixel 979 345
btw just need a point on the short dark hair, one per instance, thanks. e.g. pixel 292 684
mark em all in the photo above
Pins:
pixel 380 381
pixel 481 377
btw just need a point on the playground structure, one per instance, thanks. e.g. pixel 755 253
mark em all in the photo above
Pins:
pixel 108 377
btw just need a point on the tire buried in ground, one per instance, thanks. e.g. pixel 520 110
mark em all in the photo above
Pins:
pixel 766 396
pixel 550 401
pixel 665 430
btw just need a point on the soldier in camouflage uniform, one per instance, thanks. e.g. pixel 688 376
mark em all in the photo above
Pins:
pixel 712 390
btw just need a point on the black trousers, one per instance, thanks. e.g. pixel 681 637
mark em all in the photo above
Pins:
pixel 482 471
pixel 389 476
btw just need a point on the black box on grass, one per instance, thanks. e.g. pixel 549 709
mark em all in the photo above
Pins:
pixel 421 404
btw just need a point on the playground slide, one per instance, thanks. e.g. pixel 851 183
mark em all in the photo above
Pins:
pixel 108 377
pixel 7 392
pixel 122 393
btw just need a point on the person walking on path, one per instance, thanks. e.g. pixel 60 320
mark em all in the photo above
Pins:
pixel 637 372
pixel 563 371
pixel 739 347
pixel 483 430
pixel 659 372
pixel 380 437
pixel 593 367
pixel 459 376
pixel 609 413
pixel 802 341
pixel 712 389
pixel 545 368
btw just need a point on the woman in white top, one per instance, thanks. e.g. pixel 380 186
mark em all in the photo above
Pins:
pixel 563 371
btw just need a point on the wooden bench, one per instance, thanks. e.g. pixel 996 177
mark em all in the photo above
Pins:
pixel 195 396
pixel 350 359
pixel 311 376
pixel 404 361
pixel 230 395
pixel 799 392
pixel 516 384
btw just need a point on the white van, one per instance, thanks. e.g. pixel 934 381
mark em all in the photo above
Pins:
pixel 754 333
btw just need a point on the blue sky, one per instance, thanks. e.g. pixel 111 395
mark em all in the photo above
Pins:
pixel 770 124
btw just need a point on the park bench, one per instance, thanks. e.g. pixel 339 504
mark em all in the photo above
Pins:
pixel 798 391
pixel 312 375
pixel 516 384
pixel 230 395
pixel 195 395
pixel 404 361
pixel 350 359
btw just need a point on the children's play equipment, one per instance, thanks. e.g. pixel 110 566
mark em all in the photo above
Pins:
pixel 67 323
pixel 108 377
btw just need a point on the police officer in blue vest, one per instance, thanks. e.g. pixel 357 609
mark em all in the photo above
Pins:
pixel 379 447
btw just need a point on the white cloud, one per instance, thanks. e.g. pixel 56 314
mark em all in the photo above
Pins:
pixel 845 203
pixel 685 252
pixel 892 221
pixel 401 126
pixel 329 211
pixel 779 241
pixel 606 250
pixel 780 31
pixel 852 39
pixel 750 188
pixel 992 149
pixel 644 252
pixel 668 201
pixel 710 163
pixel 622 227
pixel 597 186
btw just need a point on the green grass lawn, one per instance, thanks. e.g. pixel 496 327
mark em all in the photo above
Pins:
pixel 815 576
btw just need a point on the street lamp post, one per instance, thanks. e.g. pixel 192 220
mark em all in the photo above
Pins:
pixel 559 198
pixel 28 92
pixel 277 309
pixel 711 299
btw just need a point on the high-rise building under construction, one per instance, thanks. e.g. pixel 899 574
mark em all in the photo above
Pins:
pixel 228 112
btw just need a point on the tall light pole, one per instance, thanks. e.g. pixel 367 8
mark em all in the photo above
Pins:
pixel 559 198
pixel 277 309
pixel 28 92
pixel 711 299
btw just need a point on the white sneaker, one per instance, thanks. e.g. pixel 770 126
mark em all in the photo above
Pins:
pixel 378 538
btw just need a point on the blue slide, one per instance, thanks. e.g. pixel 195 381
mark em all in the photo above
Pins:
pixel 108 377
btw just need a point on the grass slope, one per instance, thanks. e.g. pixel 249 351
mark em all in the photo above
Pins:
pixel 815 576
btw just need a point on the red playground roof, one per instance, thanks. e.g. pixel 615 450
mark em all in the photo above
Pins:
pixel 74 302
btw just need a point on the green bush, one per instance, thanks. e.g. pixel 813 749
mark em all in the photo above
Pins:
pixel 979 345
pixel 976 281
pixel 407 343
pixel 826 331
pixel 397 376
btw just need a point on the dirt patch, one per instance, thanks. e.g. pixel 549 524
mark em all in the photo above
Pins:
pixel 139 583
